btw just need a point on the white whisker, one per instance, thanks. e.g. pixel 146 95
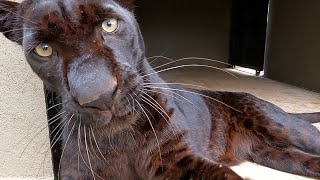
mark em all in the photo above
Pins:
pixel 3 7
pixel 34 138
pixel 191 92
pixel 55 140
pixel 16 40
pixel 159 109
pixel 92 145
pixel 184 98
pixel 112 146
pixel 56 116
pixel 99 150
pixel 190 65
pixel 54 106
pixel 154 131
pixel 59 126
pixel 19 29
pixel 86 145
pixel 183 84
pixel 190 58
pixel 64 147
pixel 157 57
pixel 172 127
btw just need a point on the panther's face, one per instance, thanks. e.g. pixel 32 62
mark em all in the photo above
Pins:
pixel 88 51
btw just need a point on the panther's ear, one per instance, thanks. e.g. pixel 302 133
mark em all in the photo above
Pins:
pixel 128 4
pixel 10 21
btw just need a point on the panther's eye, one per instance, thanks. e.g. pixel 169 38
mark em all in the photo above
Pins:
pixel 110 25
pixel 43 50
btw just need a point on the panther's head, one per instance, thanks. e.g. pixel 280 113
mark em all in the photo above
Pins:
pixel 88 51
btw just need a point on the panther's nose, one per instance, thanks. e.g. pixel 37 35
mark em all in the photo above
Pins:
pixel 99 97
pixel 92 84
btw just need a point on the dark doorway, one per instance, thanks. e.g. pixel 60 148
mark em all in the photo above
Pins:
pixel 248 33
pixel 186 28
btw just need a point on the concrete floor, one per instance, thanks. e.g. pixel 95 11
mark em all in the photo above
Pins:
pixel 290 98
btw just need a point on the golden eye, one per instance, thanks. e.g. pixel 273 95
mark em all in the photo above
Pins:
pixel 110 25
pixel 43 50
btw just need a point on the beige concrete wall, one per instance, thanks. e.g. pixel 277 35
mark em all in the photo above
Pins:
pixel 293 48
pixel 186 28
pixel 23 143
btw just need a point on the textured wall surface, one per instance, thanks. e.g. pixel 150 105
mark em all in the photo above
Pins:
pixel 24 136
pixel 293 48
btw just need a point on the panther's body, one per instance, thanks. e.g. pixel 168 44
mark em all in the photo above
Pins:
pixel 122 121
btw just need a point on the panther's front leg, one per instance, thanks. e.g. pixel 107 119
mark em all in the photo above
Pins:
pixel 179 163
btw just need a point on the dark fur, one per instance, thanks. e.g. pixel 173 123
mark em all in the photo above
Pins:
pixel 108 137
